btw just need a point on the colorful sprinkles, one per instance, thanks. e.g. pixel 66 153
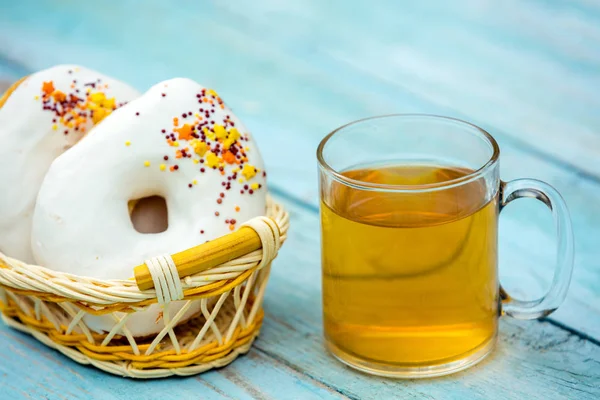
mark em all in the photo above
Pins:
pixel 212 146
pixel 73 110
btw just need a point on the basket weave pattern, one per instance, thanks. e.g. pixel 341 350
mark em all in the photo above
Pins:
pixel 51 306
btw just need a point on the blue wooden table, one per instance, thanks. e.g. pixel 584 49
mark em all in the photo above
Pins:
pixel 527 71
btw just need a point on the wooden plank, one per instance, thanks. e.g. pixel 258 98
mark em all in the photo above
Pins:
pixel 30 370
pixel 534 360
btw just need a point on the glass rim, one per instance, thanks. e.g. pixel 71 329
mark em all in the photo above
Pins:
pixel 357 184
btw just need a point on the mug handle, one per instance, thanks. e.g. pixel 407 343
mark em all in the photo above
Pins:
pixel 548 303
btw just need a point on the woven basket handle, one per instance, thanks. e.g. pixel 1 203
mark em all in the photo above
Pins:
pixel 215 252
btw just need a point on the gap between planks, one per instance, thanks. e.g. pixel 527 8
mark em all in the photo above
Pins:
pixel 16 67
pixel 313 379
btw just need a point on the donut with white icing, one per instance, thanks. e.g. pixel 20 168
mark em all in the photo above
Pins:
pixel 178 141
pixel 41 116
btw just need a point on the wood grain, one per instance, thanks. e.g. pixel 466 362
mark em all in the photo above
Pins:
pixel 37 373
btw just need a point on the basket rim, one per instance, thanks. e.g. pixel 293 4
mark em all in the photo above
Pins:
pixel 56 286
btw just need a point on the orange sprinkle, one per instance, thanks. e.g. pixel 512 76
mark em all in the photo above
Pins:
pixel 59 96
pixel 237 208
pixel 175 121
pixel 222 107
pixel 223 172
pixel 172 168
pixel 178 154
pixel 229 157
pixel 185 132
pixel 231 227
pixel 48 88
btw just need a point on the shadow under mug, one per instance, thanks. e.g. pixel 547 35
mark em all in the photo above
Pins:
pixel 409 225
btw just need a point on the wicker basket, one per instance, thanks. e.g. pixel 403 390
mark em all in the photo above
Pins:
pixel 51 306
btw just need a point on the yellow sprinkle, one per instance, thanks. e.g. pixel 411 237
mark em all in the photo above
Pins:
pixel 246 148
pixel 241 180
pixel 227 143
pixel 234 134
pixel 197 115
pixel 37 97
pixel 196 161
pixel 146 163
pixel 127 143
pixel 212 160
pixel 195 182
pixel 162 167
pixel 212 92
pixel 54 127
pixel 208 134
pixel 236 169
pixel 76 69
pixel 200 148
pixel 109 103
pixel 220 131
pixel 98 98
pixel 248 171
pixel 99 114
pixel 254 186
pixel 176 144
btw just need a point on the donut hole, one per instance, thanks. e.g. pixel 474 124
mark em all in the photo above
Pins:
pixel 149 214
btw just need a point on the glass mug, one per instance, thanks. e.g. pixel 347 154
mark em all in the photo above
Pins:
pixel 409 222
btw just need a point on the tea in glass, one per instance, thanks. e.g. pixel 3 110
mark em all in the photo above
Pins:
pixel 409 279
pixel 409 225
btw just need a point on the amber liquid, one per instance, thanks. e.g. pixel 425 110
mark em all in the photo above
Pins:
pixel 409 279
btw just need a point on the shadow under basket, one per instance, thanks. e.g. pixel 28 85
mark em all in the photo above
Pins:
pixel 51 306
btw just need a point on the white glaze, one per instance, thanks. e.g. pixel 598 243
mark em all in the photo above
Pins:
pixel 81 222
pixel 29 144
